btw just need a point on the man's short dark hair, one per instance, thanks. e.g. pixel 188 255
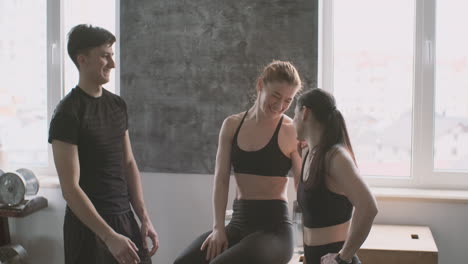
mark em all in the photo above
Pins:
pixel 84 37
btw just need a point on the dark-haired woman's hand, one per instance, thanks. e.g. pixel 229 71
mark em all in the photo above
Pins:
pixel 301 145
pixel 329 259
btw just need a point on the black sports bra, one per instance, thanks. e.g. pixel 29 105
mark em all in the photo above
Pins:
pixel 268 161
pixel 322 207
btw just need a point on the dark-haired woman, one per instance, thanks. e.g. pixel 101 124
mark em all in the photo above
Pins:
pixel 330 187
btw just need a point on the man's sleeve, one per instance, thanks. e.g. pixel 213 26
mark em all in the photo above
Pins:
pixel 124 105
pixel 64 127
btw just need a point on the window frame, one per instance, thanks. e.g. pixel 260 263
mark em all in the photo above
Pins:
pixel 423 175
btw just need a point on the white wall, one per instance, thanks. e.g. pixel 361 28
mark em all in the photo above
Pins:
pixel 180 207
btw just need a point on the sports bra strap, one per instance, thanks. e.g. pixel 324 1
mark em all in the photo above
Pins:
pixel 278 127
pixel 242 121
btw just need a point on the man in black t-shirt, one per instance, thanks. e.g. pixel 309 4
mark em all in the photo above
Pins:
pixel 98 173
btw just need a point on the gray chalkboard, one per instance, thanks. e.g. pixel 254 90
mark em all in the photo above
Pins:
pixel 186 65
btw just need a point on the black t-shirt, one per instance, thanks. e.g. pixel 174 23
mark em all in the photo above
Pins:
pixel 97 126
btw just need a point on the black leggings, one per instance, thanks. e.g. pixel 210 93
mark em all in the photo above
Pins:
pixel 260 232
pixel 313 254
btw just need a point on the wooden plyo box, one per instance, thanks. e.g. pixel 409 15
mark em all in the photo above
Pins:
pixel 395 244
pixel 297 258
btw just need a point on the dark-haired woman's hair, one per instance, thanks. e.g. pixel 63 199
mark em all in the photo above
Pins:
pixel 322 104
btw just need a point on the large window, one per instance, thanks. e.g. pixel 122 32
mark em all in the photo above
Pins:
pixel 399 72
pixel 37 72
pixel 373 80
pixel 23 88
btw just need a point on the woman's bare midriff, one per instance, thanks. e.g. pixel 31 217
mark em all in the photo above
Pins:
pixel 257 187
pixel 325 235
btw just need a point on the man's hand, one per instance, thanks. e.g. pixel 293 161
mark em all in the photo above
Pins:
pixel 122 248
pixel 147 230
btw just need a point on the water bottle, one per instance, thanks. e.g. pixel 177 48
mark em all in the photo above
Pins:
pixel 297 226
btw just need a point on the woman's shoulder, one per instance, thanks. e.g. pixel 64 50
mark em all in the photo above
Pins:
pixel 339 154
pixel 231 122
pixel 288 126
pixel 287 120
pixel 234 118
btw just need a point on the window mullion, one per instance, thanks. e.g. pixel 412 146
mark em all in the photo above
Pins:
pixel 325 43
pixel 423 118
pixel 117 47
pixel 54 66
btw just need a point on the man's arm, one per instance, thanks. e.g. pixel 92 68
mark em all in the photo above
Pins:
pixel 68 169
pixel 136 196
